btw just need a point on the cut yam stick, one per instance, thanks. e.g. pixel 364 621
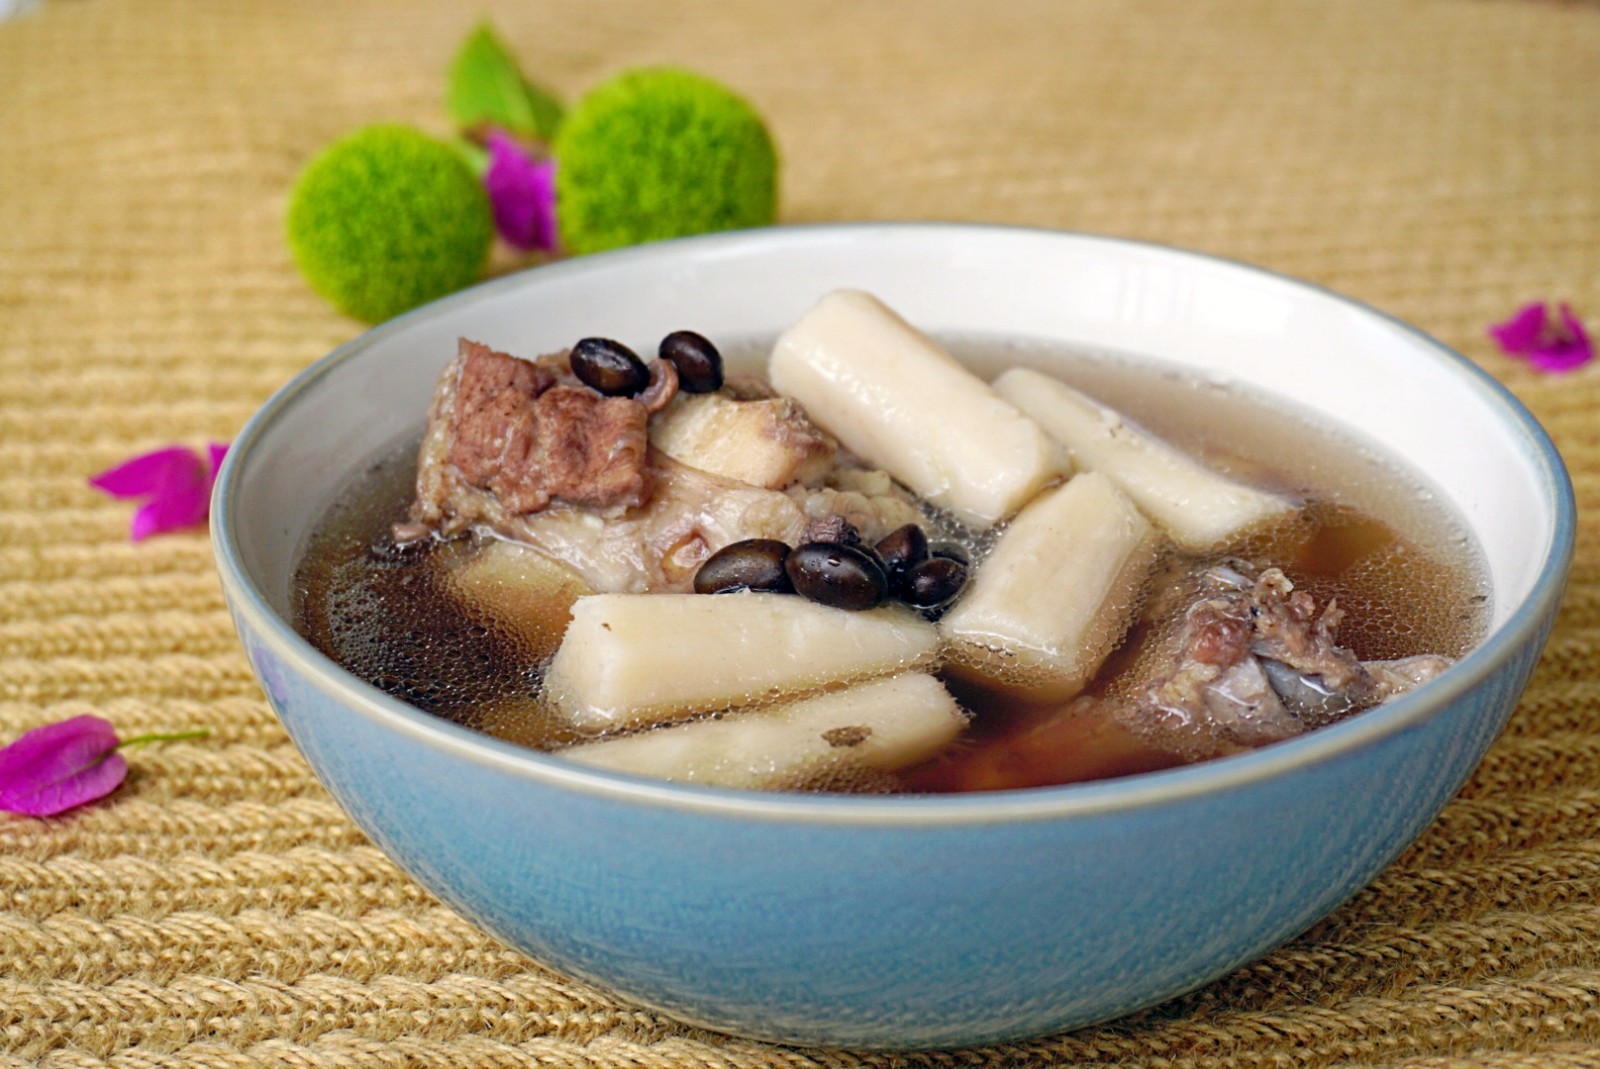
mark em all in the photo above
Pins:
pixel 526 594
pixel 896 399
pixel 1054 597
pixel 634 659
pixel 1198 508
pixel 882 725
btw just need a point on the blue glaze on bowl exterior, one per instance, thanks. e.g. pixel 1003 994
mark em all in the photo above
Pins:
pixel 876 922
pixel 866 934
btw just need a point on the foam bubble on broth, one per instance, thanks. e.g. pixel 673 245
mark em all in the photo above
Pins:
pixel 383 612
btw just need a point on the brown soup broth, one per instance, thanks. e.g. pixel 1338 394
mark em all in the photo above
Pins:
pixel 1372 535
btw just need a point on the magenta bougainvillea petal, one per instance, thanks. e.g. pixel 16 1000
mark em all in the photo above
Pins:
pixel 58 766
pixel 1569 348
pixel 544 206
pixel 147 473
pixel 176 483
pixel 1552 343
pixel 180 507
pixel 522 191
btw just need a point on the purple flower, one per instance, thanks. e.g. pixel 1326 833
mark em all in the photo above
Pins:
pixel 1549 343
pixel 58 766
pixel 522 191
pixel 176 480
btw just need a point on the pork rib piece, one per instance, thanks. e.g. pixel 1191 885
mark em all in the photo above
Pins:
pixel 579 481
pixel 1255 662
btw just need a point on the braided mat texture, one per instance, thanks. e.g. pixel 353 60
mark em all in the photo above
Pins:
pixel 1437 158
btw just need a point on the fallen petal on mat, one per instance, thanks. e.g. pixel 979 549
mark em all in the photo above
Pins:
pixel 1549 342
pixel 58 766
pixel 63 765
pixel 176 481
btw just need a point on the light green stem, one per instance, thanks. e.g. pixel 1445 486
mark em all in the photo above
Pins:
pixel 171 736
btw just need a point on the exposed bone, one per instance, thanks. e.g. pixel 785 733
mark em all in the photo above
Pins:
pixel 1257 662
pixel 765 442
pixel 663 386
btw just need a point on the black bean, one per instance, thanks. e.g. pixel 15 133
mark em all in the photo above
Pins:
pixel 933 583
pixel 835 574
pixel 872 552
pixel 900 549
pixel 753 564
pixel 697 360
pixel 953 550
pixel 609 367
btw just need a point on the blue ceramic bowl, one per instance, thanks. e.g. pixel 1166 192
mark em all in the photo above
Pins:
pixel 905 921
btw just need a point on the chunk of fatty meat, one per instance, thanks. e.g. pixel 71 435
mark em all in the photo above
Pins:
pixel 629 518
pixel 761 441
pixel 1254 661
pixel 507 426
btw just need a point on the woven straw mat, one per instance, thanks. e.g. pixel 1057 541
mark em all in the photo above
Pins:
pixel 1439 159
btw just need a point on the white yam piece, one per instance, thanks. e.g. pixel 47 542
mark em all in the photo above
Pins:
pixel 634 659
pixel 1054 597
pixel 528 595
pixel 1198 508
pixel 882 725
pixel 896 399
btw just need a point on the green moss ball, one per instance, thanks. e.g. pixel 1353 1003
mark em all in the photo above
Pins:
pixel 661 153
pixel 387 218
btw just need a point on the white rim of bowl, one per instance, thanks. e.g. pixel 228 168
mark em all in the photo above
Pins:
pixel 1128 793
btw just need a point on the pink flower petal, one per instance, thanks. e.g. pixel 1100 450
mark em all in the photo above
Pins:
pixel 522 192
pixel 59 766
pixel 1549 344
pixel 179 507
pixel 544 206
pixel 176 483
pixel 1521 332
pixel 146 473
pixel 1563 347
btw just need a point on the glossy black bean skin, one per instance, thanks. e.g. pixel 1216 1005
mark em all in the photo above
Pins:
pixel 953 550
pixel 698 362
pixel 873 554
pixel 609 367
pixel 933 583
pixel 838 575
pixel 753 564
pixel 900 549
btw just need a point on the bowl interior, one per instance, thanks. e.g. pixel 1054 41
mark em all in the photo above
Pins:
pixel 1388 383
